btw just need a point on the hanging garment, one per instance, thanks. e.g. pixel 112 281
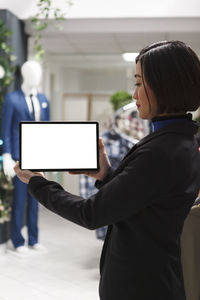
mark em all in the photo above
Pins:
pixel 116 148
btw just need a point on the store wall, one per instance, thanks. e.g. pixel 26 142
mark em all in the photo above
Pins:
pixel 61 81
pixel 95 80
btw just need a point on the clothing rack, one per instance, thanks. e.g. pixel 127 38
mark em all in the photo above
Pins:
pixel 117 114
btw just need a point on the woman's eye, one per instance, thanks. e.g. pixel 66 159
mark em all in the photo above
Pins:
pixel 137 84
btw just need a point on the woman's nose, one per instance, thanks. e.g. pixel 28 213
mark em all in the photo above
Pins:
pixel 135 94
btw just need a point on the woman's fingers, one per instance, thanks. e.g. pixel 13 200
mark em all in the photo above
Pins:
pixel 25 175
pixel 76 173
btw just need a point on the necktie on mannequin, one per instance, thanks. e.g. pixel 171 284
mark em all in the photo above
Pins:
pixel 31 97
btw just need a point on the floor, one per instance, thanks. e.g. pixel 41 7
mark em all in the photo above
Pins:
pixel 67 271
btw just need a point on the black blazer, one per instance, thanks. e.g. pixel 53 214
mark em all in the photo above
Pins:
pixel 145 201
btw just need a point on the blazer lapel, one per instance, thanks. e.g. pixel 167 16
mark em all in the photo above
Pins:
pixel 41 110
pixel 143 141
pixel 24 104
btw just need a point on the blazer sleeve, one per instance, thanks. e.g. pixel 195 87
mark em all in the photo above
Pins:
pixel 99 183
pixel 138 185
pixel 7 115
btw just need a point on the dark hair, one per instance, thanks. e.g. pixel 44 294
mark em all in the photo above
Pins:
pixel 172 70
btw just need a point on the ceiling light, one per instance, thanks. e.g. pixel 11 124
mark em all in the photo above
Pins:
pixel 130 56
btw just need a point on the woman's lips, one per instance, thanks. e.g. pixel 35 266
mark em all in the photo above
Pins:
pixel 138 105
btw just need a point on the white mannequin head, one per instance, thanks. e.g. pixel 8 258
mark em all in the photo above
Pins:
pixel 32 73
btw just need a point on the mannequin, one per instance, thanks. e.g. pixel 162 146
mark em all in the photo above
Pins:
pixel 25 104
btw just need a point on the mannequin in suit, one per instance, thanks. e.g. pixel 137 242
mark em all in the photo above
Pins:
pixel 25 104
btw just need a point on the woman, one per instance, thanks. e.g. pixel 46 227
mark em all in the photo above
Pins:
pixel 147 198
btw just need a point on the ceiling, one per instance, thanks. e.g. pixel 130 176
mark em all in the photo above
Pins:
pixel 97 32
pixel 97 41
pixel 109 8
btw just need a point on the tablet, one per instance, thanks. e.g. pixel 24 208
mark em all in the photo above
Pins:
pixel 59 146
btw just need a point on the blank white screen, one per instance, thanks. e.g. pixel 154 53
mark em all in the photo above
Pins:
pixel 58 146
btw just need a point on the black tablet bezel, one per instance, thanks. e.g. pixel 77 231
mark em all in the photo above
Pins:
pixel 61 122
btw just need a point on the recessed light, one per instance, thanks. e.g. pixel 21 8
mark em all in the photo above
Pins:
pixel 130 56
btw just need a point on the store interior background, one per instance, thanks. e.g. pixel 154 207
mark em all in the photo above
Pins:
pixel 83 64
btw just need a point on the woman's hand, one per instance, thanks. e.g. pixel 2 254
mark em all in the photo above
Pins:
pixel 25 175
pixel 104 164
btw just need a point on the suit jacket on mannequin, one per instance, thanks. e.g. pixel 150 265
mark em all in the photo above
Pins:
pixel 145 202
pixel 15 110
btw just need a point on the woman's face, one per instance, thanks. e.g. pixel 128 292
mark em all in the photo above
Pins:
pixel 147 106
